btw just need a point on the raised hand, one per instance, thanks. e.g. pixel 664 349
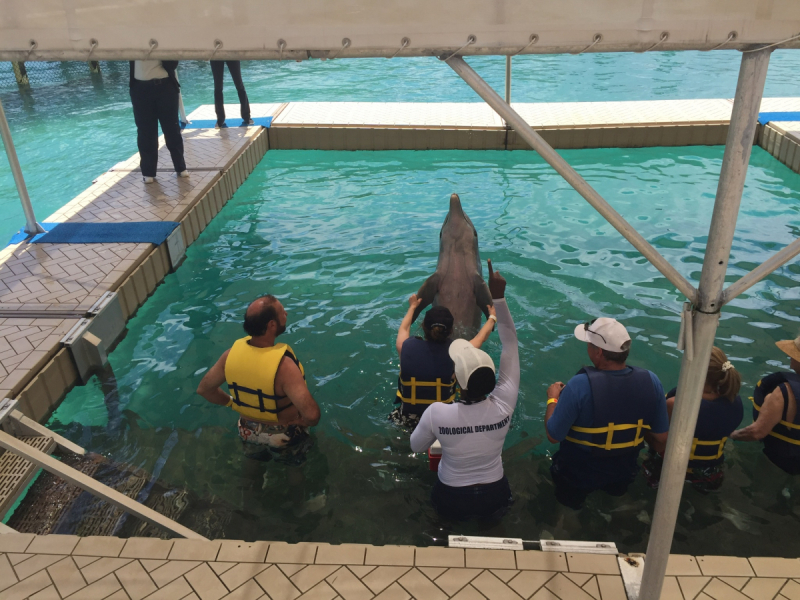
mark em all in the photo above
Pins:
pixel 497 283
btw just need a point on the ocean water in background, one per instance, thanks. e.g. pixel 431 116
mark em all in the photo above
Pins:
pixel 343 238
pixel 69 127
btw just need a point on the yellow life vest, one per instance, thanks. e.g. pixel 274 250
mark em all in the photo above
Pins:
pixel 250 373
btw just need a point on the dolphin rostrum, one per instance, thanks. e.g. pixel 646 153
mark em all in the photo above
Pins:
pixel 458 281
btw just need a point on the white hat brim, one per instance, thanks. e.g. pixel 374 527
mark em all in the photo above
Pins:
pixel 581 333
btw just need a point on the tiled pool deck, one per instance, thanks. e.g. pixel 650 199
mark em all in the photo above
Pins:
pixel 46 288
pixel 54 567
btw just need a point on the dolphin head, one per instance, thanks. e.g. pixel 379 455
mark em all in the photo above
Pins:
pixel 458 235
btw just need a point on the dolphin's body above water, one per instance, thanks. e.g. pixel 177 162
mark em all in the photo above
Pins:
pixel 458 281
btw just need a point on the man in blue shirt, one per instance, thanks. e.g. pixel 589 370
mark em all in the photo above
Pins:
pixel 602 417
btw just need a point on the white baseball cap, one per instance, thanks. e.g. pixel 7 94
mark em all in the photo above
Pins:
pixel 608 334
pixel 474 368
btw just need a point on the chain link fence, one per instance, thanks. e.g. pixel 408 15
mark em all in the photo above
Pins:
pixel 37 74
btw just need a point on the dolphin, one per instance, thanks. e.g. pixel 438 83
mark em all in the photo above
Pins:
pixel 458 281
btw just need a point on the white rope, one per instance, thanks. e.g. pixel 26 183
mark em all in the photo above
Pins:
pixel 34 45
pixel 153 46
pixel 217 46
pixel 731 37
pixel 664 38
pixel 93 45
pixel 404 42
pixel 470 40
pixel 597 38
pixel 794 37
pixel 533 39
pixel 345 44
pixel 281 46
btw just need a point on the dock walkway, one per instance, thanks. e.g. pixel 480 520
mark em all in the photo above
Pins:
pixel 48 292
pixel 61 566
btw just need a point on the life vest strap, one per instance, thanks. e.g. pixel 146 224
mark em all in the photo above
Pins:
pixel 413 384
pixel 720 450
pixel 609 431
pixel 235 388
pixel 782 422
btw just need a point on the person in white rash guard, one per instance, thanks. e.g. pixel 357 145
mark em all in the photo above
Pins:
pixel 473 429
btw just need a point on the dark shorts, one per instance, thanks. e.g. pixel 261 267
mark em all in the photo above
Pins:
pixel 486 502
pixel 578 475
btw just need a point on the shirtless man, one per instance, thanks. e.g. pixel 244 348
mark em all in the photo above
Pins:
pixel 266 383
pixel 775 415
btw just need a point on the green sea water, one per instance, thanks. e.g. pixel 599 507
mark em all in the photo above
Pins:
pixel 343 238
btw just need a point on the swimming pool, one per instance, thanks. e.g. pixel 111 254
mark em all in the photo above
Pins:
pixel 343 238
pixel 69 132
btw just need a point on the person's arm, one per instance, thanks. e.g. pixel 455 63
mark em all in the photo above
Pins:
pixel 405 326
pixel 422 437
pixel 507 389
pixel 656 436
pixel 295 388
pixel 670 405
pixel 559 416
pixel 769 416
pixel 487 328
pixel 209 387
pixel 553 393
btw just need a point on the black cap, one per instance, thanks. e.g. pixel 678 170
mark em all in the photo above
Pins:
pixel 439 315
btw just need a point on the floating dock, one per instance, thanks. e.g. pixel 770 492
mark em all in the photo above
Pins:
pixel 63 306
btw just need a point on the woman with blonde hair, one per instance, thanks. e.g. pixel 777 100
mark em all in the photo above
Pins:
pixel 721 412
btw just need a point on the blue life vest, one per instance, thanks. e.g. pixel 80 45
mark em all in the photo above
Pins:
pixel 782 445
pixel 624 406
pixel 427 375
pixel 716 421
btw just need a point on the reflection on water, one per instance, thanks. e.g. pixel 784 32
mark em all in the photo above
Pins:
pixel 342 238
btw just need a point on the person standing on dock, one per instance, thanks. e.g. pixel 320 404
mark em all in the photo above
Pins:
pixel 267 386
pixel 776 420
pixel 154 94
pixel 602 417
pixel 235 69
pixel 471 482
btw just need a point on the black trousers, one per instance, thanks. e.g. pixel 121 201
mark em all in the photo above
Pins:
pixel 154 102
pixel 488 502
pixel 235 69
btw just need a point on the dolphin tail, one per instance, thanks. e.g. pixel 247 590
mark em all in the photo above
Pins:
pixel 483 297
pixel 427 292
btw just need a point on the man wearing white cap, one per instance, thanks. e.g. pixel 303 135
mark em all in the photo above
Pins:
pixel 776 420
pixel 603 416
pixel 473 429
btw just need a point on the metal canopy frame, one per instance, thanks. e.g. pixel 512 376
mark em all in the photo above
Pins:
pixel 706 301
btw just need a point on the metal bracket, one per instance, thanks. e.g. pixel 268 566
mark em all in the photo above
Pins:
pixel 176 247
pixel 489 543
pixel 6 406
pixel 582 547
pixel 91 338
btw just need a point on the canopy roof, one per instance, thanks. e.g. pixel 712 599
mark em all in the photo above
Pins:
pixel 253 29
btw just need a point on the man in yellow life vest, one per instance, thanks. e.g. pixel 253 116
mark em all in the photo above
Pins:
pixel 266 383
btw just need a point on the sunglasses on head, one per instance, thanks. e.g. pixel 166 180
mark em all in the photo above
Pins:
pixel 588 324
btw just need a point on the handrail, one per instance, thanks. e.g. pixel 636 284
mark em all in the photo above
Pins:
pixel 86 483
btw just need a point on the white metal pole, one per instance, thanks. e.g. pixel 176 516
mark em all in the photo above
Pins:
pixel 508 80
pixel 562 167
pixel 738 146
pixel 31 226
pixel 768 266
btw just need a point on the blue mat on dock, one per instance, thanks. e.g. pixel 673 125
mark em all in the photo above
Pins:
pixel 766 117
pixel 232 123
pixel 100 233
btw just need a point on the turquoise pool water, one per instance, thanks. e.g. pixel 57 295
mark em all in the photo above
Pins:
pixel 69 128
pixel 343 239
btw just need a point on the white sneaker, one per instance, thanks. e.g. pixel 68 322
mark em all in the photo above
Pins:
pixel 183 174
pixel 148 179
